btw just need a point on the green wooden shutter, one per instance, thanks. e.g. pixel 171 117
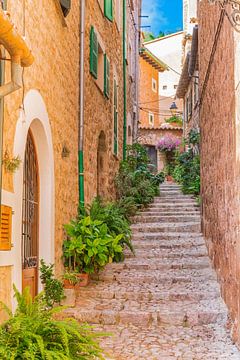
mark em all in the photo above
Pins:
pixel 106 76
pixel 93 53
pixel 66 6
pixel 108 9
pixel 115 144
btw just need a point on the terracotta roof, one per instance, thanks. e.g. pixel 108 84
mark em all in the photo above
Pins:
pixel 148 56
pixel 162 127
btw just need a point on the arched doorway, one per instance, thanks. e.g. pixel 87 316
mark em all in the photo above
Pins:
pixel 30 217
pixel 102 166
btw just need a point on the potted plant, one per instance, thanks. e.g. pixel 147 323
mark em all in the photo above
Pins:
pixel 88 248
pixel 70 279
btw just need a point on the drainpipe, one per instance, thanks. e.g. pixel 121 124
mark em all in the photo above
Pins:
pixel 124 84
pixel 81 105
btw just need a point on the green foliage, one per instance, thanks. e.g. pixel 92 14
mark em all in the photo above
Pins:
pixel 194 137
pixel 134 180
pixel 71 276
pixel 187 172
pixel 53 288
pixel 33 332
pixel 174 119
pixel 90 246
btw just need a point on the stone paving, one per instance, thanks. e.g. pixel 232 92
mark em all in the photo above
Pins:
pixel 165 302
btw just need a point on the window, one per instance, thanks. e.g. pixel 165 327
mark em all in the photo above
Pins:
pixel 106 76
pixel 151 119
pixel 93 53
pixel 190 104
pixel 186 110
pixel 164 87
pixel 66 6
pixel 108 9
pixel 115 117
pixel 99 65
pixel 154 85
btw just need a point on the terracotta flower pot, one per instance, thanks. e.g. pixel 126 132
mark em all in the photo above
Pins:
pixel 83 280
pixel 169 178
pixel 67 284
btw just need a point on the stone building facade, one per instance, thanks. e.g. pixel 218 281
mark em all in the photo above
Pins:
pixel 220 167
pixel 103 137
pixel 152 125
pixel 42 116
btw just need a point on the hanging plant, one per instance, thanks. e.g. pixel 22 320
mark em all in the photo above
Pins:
pixel 11 164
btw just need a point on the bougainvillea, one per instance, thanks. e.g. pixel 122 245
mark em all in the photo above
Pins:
pixel 168 143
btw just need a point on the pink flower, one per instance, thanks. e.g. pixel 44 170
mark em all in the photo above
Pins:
pixel 168 143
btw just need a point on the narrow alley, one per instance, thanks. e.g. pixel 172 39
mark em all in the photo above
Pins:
pixel 165 302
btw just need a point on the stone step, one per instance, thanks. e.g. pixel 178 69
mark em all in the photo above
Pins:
pixel 142 274
pixel 173 205
pixel 165 253
pixel 173 196
pixel 162 297
pixel 163 212
pixel 114 312
pixel 168 236
pixel 164 227
pixel 173 200
pixel 179 243
pixel 166 264
pixel 165 218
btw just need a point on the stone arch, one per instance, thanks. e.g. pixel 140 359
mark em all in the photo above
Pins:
pixel 35 118
pixel 102 165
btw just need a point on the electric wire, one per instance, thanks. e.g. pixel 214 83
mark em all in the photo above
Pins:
pixel 213 51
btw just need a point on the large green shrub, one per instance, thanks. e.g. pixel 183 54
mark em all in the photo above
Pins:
pixel 33 332
pixel 90 246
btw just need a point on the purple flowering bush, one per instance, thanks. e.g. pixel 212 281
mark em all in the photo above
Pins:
pixel 168 143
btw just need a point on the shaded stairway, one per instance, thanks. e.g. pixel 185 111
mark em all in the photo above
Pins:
pixel 164 303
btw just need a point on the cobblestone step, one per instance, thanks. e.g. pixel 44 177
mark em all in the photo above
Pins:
pixel 167 218
pixel 164 303
pixel 168 236
pixel 179 243
pixel 163 227
pixel 115 312
pixel 204 342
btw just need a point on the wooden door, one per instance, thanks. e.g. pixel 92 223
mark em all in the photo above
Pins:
pixel 30 222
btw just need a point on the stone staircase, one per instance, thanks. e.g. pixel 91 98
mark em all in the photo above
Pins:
pixel 165 302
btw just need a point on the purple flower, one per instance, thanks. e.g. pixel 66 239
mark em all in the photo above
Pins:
pixel 168 143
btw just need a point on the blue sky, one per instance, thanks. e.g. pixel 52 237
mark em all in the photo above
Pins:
pixel 164 15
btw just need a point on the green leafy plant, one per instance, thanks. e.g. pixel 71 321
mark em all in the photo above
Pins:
pixel 35 332
pixel 71 277
pixel 194 137
pixel 174 119
pixel 89 246
pixel 53 288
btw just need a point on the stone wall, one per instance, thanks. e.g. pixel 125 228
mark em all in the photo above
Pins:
pixel 55 74
pixel 98 109
pixel 219 164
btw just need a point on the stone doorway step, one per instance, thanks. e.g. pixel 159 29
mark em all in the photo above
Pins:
pixel 164 303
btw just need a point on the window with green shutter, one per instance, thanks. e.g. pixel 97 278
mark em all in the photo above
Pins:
pixel 93 53
pixel 115 127
pixel 106 76
pixel 108 9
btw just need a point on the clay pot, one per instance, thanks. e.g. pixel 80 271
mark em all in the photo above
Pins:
pixel 83 280
pixel 67 284
pixel 169 178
